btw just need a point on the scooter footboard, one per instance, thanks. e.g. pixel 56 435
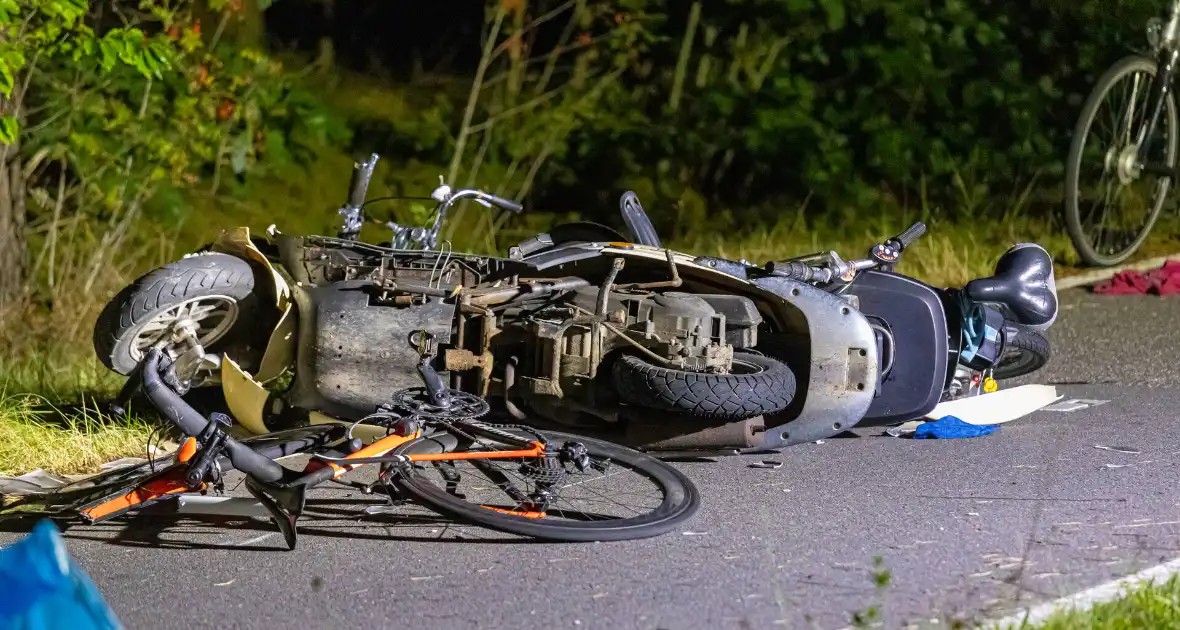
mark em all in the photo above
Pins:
pixel 914 318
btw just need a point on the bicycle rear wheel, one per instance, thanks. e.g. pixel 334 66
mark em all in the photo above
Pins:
pixel 1111 205
pixel 543 498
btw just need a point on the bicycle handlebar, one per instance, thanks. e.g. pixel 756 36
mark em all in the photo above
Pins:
pixel 193 424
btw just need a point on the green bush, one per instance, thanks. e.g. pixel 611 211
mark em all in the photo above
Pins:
pixel 851 100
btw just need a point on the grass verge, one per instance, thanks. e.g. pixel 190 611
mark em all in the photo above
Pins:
pixel 35 434
pixel 1149 606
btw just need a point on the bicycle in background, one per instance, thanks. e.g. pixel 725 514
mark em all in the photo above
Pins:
pixel 1123 156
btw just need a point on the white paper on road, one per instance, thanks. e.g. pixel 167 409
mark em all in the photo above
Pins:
pixel 998 407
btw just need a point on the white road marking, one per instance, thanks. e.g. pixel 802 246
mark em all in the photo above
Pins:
pixel 1088 598
pixel 254 540
pixel 1067 406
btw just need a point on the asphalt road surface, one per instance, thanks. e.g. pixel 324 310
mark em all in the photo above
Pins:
pixel 965 530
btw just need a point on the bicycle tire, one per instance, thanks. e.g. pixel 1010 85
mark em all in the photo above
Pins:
pixel 681 498
pixel 1073 164
pixel 1025 351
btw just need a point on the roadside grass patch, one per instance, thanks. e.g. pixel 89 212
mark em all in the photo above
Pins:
pixel 35 434
pixel 1149 606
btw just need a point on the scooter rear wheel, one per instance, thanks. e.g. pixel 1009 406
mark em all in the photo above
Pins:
pixel 757 385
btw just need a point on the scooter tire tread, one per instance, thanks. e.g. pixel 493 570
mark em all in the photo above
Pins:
pixel 171 284
pixel 708 396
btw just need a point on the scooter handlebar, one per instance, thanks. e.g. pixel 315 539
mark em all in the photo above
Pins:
pixel 358 187
pixel 907 238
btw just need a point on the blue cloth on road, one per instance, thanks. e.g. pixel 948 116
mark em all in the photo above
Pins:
pixel 950 427
pixel 44 589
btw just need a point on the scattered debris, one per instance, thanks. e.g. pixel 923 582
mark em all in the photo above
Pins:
pixel 34 482
pixel 951 427
pixel 1025 466
pixel 695 533
pixel 1162 281
pixel 224 583
pixel 767 463
pixel 1116 465
pixel 1118 449
pixel 819 441
pixel 903 430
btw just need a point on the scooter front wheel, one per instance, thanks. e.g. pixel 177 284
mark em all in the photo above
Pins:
pixel 211 295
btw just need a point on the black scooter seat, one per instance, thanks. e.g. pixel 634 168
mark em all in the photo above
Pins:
pixel 1023 283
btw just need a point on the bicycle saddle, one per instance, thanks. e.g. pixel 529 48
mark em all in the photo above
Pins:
pixel 1024 283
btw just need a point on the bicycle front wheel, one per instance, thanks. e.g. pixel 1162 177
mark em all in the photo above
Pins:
pixel 624 495
pixel 1110 203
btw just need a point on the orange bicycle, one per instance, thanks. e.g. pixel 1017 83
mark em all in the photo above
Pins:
pixel 433 444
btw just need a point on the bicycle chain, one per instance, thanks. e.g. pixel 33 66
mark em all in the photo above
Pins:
pixel 499 431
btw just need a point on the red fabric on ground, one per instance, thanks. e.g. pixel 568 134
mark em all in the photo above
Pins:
pixel 1162 281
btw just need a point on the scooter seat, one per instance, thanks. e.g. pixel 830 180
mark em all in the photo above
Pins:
pixel 1023 283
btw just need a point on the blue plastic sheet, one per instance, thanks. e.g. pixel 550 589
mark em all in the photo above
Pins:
pixel 44 589
pixel 950 427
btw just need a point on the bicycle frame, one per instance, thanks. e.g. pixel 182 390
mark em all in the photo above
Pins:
pixel 170 482
pixel 1167 57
